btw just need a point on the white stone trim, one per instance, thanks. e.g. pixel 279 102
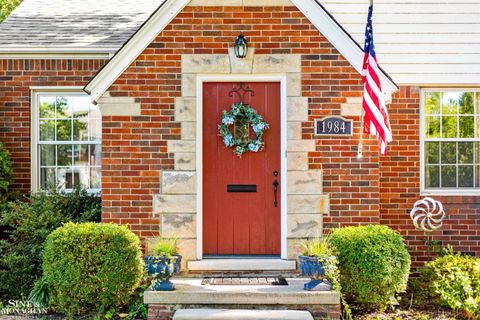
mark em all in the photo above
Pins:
pixel 118 106
pixel 317 15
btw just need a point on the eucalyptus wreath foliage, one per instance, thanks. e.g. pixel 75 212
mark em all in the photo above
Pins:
pixel 243 114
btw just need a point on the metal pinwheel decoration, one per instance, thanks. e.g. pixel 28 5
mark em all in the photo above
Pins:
pixel 427 214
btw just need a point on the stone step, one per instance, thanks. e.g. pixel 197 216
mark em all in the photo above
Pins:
pixel 211 265
pixel 236 314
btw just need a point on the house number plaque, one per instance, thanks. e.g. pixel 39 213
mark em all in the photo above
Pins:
pixel 333 126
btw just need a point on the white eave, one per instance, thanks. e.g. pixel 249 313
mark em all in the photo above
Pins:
pixel 312 9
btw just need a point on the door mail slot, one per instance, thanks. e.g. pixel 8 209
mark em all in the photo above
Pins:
pixel 241 188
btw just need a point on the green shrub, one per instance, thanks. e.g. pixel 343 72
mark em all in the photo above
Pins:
pixel 91 267
pixel 455 280
pixel 6 172
pixel 27 224
pixel 374 264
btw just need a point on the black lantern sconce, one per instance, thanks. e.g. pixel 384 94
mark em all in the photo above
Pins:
pixel 241 46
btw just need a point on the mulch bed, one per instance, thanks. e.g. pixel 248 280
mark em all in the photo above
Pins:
pixel 409 315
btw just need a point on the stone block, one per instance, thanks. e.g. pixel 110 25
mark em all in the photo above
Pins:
pixel 308 204
pixel 294 84
pixel 301 145
pixel 174 203
pixel 181 146
pixel 294 248
pixel 188 249
pixel 118 106
pixel 189 85
pixel 294 130
pixel 185 109
pixel 305 182
pixel 238 65
pixel 189 130
pixel 277 63
pixel 205 63
pixel 297 109
pixel 353 107
pixel 305 225
pixel 179 226
pixel 185 161
pixel 179 182
pixel 297 161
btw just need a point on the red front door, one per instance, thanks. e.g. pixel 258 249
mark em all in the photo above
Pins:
pixel 241 223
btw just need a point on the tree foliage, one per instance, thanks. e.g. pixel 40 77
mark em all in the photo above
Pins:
pixel 6 7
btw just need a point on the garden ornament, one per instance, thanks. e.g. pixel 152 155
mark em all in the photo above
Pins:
pixel 427 214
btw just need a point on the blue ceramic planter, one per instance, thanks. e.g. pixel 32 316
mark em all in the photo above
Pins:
pixel 311 267
pixel 161 269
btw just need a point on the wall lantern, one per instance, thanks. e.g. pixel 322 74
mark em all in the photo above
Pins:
pixel 241 46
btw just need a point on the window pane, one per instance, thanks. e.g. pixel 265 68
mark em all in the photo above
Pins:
pixel 80 154
pixel 477 176
pixel 465 176
pixel 64 130
pixel 82 176
pixel 64 153
pixel 47 178
pixel 95 129
pixel 95 155
pixel 432 152
pixel 47 155
pixel 449 127
pixel 432 127
pixel 64 107
pixel 80 129
pixel 466 127
pixel 449 152
pixel 65 179
pixel 466 103
pixel 95 177
pixel 432 102
pixel 449 176
pixel 432 177
pixel 465 152
pixel 81 107
pixel 47 130
pixel 47 107
pixel 450 102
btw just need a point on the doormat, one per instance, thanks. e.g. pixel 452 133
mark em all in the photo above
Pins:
pixel 245 281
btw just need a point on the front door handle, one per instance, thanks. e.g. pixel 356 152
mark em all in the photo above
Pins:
pixel 275 191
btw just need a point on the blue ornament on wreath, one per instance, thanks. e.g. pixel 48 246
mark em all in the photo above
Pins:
pixel 244 117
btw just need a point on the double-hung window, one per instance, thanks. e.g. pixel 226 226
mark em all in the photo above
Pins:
pixel 450 141
pixel 66 141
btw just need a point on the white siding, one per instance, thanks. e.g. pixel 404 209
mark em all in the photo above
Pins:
pixel 429 42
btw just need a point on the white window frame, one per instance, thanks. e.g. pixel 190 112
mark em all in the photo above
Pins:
pixel 441 191
pixel 35 92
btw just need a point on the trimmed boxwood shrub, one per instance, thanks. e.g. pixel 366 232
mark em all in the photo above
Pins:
pixel 26 225
pixel 91 266
pixel 374 264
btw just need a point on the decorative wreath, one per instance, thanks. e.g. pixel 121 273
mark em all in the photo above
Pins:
pixel 242 115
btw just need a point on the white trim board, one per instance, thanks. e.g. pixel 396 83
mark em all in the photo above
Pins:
pixel 317 15
pixel 282 78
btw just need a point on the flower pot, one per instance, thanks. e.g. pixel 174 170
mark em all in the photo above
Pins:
pixel 314 269
pixel 161 269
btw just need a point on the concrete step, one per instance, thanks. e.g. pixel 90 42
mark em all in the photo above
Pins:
pixel 236 314
pixel 215 265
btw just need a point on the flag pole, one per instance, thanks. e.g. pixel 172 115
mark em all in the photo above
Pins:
pixel 362 125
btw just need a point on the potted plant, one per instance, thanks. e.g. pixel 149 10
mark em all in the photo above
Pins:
pixel 163 264
pixel 318 255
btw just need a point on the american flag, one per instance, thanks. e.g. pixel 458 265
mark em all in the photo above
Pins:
pixel 376 116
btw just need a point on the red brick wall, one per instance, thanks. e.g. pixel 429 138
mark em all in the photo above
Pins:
pixel 16 78
pixel 155 80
